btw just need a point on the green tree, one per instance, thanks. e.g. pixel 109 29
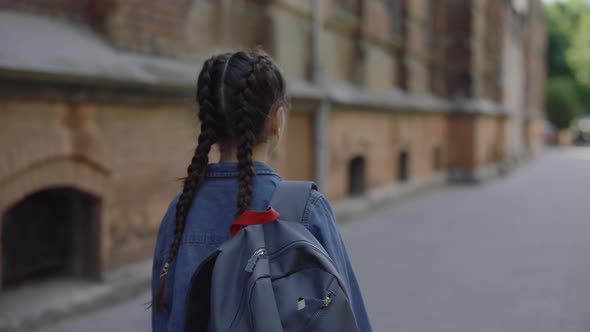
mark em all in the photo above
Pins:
pixel 562 20
pixel 568 60
pixel 578 54
pixel 562 101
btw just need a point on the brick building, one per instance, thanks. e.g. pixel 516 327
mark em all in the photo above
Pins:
pixel 97 119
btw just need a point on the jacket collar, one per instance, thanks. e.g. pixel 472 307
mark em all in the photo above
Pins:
pixel 230 169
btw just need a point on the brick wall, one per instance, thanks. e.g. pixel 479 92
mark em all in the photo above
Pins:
pixel 487 48
pixel 476 141
pixel 71 9
pixel 130 153
pixel 174 28
pixel 189 28
pixel 535 54
pixel 472 53
pixel 95 13
pixel 379 138
pixel 457 49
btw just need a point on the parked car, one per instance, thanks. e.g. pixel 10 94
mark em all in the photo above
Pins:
pixel 582 131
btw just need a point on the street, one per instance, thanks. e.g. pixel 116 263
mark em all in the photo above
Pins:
pixel 508 255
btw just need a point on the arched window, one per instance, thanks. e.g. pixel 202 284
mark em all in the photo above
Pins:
pixel 437 160
pixel 356 176
pixel 50 232
pixel 403 166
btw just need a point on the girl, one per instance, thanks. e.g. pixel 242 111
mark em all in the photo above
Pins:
pixel 242 102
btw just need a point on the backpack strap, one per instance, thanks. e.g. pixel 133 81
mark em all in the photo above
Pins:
pixel 290 199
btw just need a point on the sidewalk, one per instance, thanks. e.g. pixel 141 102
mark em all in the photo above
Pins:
pixel 37 305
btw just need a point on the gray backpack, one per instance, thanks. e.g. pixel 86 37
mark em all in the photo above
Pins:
pixel 270 277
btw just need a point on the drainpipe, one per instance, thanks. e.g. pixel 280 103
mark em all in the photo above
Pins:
pixel 322 113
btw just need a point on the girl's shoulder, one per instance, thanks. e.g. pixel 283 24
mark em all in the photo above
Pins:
pixel 318 214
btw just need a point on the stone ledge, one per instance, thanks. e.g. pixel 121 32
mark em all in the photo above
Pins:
pixel 34 306
pixel 41 45
pixel 480 174
pixel 350 208
pixel 395 100
pixel 51 50
pixel 350 95
pixel 477 106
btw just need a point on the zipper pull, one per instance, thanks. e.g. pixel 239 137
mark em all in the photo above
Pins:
pixel 254 259
pixel 326 301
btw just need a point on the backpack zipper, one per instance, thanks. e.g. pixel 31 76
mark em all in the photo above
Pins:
pixel 301 243
pixel 325 303
pixel 254 259
pixel 258 253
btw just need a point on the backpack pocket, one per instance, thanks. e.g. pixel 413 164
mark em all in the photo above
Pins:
pixel 334 313
pixel 309 309
pixel 325 308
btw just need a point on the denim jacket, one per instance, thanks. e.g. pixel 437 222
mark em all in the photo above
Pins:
pixel 207 226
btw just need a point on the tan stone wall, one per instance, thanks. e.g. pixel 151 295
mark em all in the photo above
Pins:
pixel 37 135
pixel 141 150
pixel 129 155
pixel 476 140
pixel 461 141
pixel 535 53
pixel 359 134
pixel 418 80
pixel 486 48
pixel 478 49
pixel 535 134
pixel 380 67
pixel 420 135
pixel 376 20
pixel 297 148
pixel 417 47
pixel 338 56
pixel 535 56
pixel 147 148
pixel 489 140
pixel 291 40
pixel 379 137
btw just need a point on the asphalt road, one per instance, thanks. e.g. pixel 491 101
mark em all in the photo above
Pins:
pixel 509 255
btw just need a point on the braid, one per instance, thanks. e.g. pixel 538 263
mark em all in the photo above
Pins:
pixel 246 115
pixel 195 172
pixel 252 88
pixel 245 171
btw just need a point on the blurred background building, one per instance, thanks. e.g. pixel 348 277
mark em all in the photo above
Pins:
pixel 97 119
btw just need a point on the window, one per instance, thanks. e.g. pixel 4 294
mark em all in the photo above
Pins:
pixel 403 166
pixel 396 17
pixel 430 32
pixel 50 232
pixel 437 163
pixel 430 25
pixel 356 176
pixel 348 7
pixel 397 28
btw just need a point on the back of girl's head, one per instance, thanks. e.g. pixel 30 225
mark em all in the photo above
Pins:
pixel 236 93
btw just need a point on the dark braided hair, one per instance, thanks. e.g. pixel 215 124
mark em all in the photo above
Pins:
pixel 236 93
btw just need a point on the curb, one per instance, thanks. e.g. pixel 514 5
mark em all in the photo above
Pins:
pixel 350 208
pixel 117 286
